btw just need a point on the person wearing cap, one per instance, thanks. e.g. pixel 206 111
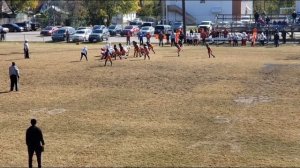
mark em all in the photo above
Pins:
pixel 35 143
pixel 84 53
pixel 14 76
pixel 26 49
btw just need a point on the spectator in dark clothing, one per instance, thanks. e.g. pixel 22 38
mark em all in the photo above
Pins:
pixel 283 35
pixel 294 16
pixel 14 76
pixel 2 32
pixel 128 35
pixel 141 38
pixel 161 38
pixel 256 17
pixel 35 143
pixel 276 40
pixel 67 35
pixel 268 20
pixel 191 31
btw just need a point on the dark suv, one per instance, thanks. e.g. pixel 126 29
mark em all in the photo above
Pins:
pixel 26 25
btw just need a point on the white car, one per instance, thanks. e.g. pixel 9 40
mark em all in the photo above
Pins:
pixel 147 29
pixel 6 30
pixel 206 25
pixel 81 35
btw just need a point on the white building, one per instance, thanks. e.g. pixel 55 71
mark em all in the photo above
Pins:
pixel 199 10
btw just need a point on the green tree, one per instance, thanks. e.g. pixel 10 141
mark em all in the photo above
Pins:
pixel 149 8
pixel 17 6
pixel 100 10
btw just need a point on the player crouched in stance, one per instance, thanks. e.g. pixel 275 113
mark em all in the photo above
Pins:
pixel 117 53
pixel 136 49
pixel 150 47
pixel 209 51
pixel 124 51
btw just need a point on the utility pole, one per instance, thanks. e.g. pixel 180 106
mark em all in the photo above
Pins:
pixel 183 19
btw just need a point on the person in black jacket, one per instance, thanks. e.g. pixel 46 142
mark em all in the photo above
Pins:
pixel 35 143
pixel 294 16
pixel 276 40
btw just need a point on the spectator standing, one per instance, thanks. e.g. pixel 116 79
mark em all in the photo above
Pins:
pixel 26 49
pixel 294 16
pixel 35 143
pixel 14 76
pixel 283 35
pixel 84 53
pixel 2 32
pixel 141 38
pixel 67 35
pixel 276 40
pixel 256 17
pixel 172 39
pixel 168 37
pixel 262 39
pixel 268 20
pixel 161 39
pixel 128 35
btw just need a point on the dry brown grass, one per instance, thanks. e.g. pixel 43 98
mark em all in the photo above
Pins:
pixel 240 109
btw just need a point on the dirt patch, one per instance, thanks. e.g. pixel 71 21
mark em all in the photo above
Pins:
pixel 248 100
pixel 48 111
pixel 221 120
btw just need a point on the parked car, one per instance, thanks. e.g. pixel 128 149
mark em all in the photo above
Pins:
pixel 114 29
pixel 13 27
pixel 4 29
pixel 80 28
pixel 147 29
pixel 133 29
pixel 206 25
pixel 35 26
pixel 81 35
pixel 48 31
pixel 99 27
pixel 136 23
pixel 26 25
pixel 60 34
pixel 98 35
pixel 177 25
pixel 163 28
pixel 152 24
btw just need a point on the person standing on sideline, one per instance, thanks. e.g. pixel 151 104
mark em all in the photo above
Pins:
pixel 141 38
pixel 294 16
pixel 276 40
pixel 283 35
pixel 14 76
pixel 26 49
pixel 84 53
pixel 209 51
pixel 35 143
pixel 128 35
pixel 67 35
pixel 161 38
pixel 172 39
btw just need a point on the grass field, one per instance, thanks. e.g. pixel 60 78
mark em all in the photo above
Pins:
pixel 239 109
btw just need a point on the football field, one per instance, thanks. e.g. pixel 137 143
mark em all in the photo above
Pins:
pixel 241 108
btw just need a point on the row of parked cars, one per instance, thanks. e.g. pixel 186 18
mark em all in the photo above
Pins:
pixel 100 33
pixel 21 26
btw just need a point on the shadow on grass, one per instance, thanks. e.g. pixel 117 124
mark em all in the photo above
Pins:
pixel 15 59
pixel 12 53
pixel 74 61
pixel 4 92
